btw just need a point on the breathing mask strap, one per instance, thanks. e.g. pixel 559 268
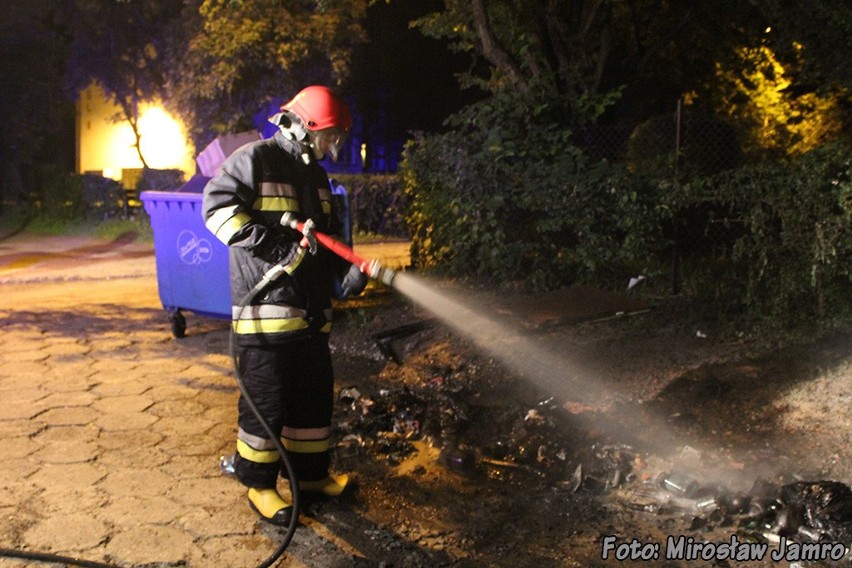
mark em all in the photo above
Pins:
pixel 292 128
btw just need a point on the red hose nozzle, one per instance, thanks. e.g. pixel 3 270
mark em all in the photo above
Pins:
pixel 371 268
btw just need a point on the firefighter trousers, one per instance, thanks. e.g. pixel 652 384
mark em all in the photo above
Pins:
pixel 292 385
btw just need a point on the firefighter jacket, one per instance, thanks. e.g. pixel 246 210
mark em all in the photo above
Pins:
pixel 242 206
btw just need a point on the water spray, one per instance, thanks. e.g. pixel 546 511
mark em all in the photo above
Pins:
pixel 544 366
pixel 532 359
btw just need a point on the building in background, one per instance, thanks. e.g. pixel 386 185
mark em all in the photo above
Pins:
pixel 106 145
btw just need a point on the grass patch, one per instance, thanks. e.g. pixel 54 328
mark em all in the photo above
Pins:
pixel 366 238
pixel 17 220
pixel 113 228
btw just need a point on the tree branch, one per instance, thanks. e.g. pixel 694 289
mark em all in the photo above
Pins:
pixel 493 51
pixel 588 18
pixel 603 54
pixel 664 40
pixel 559 36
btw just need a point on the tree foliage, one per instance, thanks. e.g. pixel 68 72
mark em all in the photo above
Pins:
pixel 777 120
pixel 657 50
pixel 213 62
pixel 583 48
pixel 815 37
pixel 236 54
pixel 511 194
pixel 35 114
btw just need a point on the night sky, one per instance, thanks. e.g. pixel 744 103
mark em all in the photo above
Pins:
pixel 404 81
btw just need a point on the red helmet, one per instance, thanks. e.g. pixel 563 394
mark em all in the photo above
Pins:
pixel 320 108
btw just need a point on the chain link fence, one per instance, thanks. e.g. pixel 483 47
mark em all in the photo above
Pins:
pixel 376 203
pixel 675 146
pixel 674 150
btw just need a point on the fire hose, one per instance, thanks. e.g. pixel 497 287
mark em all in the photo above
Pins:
pixel 371 268
pixel 311 237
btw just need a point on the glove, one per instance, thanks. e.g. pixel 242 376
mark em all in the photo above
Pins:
pixel 354 282
pixel 309 240
pixel 309 237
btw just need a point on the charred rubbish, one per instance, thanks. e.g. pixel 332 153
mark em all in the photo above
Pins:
pixel 387 422
pixel 800 512
pixel 813 511
pixel 387 340
pixel 441 413
pixel 487 437
pixel 462 461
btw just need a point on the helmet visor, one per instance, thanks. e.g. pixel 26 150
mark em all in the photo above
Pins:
pixel 329 142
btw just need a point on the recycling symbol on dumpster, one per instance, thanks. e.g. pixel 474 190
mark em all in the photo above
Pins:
pixel 193 250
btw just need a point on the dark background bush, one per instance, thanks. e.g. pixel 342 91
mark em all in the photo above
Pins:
pixel 512 199
pixel 508 198
pixel 783 244
pixel 376 202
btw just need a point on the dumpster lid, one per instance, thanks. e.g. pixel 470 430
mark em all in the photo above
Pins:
pixel 211 158
pixel 195 184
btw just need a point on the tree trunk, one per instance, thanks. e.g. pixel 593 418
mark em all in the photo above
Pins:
pixel 493 51
pixel 134 124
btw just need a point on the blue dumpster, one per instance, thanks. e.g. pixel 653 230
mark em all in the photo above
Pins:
pixel 192 264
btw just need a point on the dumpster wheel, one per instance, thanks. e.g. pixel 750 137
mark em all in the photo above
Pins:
pixel 178 322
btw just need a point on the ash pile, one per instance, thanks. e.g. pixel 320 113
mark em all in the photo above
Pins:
pixel 474 439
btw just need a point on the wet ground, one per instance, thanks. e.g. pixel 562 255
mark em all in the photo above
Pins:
pixel 691 438
pixel 664 431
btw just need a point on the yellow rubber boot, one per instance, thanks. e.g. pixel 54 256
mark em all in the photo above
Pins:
pixel 331 486
pixel 270 506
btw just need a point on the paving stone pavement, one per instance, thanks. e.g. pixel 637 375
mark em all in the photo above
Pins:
pixel 110 428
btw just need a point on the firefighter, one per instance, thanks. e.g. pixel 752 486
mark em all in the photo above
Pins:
pixel 281 334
